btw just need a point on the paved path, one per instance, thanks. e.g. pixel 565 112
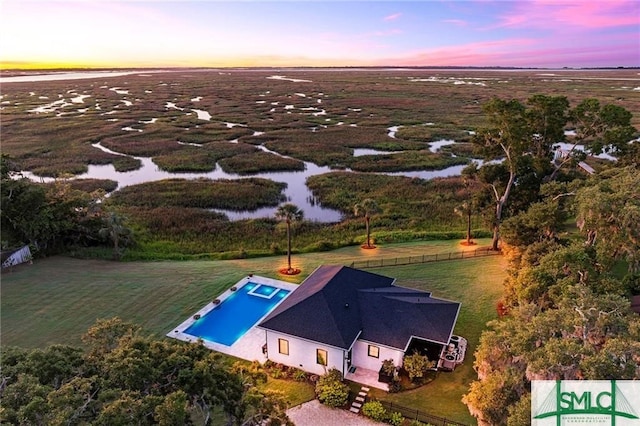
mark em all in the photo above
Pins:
pixel 313 413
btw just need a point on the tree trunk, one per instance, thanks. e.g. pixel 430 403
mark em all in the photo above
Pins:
pixel 500 202
pixel 289 245
pixel 496 238
pixel 366 221
pixel 116 248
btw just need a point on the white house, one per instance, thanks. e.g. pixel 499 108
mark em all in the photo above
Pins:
pixel 350 319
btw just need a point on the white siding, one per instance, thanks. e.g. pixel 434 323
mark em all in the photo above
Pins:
pixel 302 354
pixel 19 256
pixel 362 359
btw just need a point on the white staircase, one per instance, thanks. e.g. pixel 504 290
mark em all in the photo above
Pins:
pixel 362 396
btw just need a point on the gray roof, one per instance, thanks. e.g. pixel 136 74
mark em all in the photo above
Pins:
pixel 337 303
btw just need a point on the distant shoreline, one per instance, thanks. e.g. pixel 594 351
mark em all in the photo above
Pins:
pixel 26 76
pixel 22 71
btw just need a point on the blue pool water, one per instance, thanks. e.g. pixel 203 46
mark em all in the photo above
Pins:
pixel 232 318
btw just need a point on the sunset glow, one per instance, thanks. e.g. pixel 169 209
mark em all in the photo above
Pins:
pixel 537 33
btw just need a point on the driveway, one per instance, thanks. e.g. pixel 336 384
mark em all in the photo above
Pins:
pixel 313 413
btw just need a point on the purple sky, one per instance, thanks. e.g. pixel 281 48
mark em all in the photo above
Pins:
pixel 540 33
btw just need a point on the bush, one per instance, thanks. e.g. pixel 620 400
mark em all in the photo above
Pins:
pixel 299 375
pixel 374 410
pixel 416 365
pixel 331 390
pixel 395 419
pixel 396 385
pixel 419 423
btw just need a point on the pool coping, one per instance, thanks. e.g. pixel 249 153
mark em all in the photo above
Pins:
pixel 248 346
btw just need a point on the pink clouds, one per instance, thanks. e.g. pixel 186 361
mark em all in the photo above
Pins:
pixel 522 52
pixel 585 14
pixel 393 17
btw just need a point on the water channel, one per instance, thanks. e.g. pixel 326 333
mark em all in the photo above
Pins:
pixel 296 190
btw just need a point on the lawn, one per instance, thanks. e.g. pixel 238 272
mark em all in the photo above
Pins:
pixel 56 299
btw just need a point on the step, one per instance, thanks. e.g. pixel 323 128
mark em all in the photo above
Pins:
pixel 356 405
pixel 354 410
pixel 364 388
pixel 362 393
pixel 360 398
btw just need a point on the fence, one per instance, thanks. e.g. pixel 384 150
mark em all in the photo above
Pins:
pixel 413 414
pixel 398 261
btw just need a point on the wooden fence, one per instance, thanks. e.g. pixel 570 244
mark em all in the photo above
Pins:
pixel 398 261
pixel 413 414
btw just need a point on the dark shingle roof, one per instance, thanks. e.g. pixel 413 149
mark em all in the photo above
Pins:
pixel 335 303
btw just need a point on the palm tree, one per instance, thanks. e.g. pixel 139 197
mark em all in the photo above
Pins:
pixel 115 230
pixel 465 209
pixel 289 213
pixel 366 208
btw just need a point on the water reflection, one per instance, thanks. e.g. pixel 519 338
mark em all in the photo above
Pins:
pixel 296 191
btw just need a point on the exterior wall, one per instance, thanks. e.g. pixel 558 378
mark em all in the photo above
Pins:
pixel 302 354
pixel 362 359
pixel 19 256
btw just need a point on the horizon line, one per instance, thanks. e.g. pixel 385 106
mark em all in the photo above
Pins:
pixel 4 69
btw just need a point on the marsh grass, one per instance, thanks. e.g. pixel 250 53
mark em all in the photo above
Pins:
pixel 243 194
pixel 405 161
pixel 170 222
pixel 90 185
pixel 51 144
pixel 255 162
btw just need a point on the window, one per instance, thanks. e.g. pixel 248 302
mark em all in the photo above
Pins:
pixel 374 351
pixel 283 346
pixel 321 357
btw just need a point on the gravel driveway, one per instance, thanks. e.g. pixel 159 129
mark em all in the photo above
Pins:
pixel 313 413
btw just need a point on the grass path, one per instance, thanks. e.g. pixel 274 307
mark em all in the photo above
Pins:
pixel 56 299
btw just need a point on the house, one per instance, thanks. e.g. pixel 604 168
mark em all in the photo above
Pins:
pixel 350 319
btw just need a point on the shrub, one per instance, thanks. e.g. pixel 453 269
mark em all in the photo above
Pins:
pixel 276 373
pixel 331 390
pixel 416 365
pixel 374 410
pixel 395 385
pixel 299 375
pixel 388 367
pixel 419 423
pixel 395 419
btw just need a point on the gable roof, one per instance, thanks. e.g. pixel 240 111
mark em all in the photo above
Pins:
pixel 336 304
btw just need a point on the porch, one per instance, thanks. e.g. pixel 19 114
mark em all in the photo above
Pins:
pixel 365 377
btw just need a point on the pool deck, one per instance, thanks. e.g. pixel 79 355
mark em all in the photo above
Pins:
pixel 249 346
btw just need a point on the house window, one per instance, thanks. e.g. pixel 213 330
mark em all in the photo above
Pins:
pixel 374 351
pixel 321 357
pixel 283 346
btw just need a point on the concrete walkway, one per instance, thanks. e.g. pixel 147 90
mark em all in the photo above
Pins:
pixel 313 413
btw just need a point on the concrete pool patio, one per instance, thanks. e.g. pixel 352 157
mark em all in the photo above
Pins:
pixel 249 345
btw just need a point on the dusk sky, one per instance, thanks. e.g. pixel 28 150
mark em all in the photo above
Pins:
pixel 539 33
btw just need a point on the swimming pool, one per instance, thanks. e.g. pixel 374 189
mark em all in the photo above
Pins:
pixel 236 314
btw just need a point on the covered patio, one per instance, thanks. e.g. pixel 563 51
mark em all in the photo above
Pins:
pixel 366 377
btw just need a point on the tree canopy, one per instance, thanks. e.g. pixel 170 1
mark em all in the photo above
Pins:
pixel 125 377
pixel 567 299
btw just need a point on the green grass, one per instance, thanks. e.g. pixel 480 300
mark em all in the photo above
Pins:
pixel 56 299
pixel 296 393
pixel 477 283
